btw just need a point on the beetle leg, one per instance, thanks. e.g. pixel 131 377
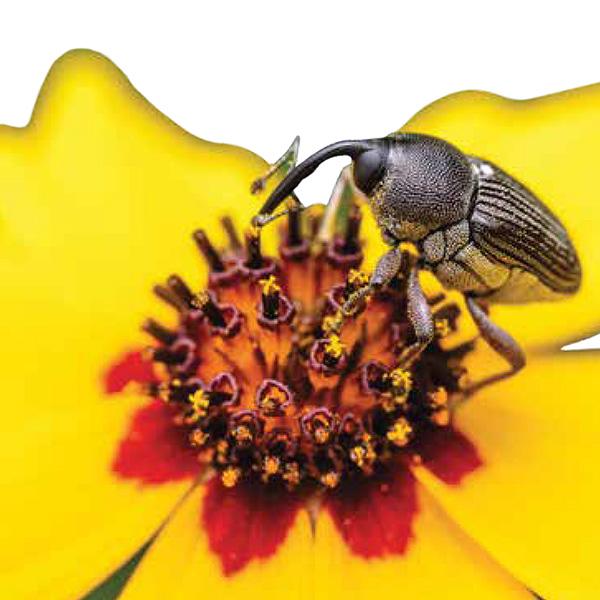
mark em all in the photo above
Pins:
pixel 386 269
pixel 420 317
pixel 505 345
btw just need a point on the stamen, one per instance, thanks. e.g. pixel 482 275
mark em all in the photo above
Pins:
pixel 180 290
pixel 159 332
pixel 234 240
pixel 167 296
pixel 270 297
pixel 254 258
pixel 230 476
pixel 400 433
pixel 207 305
pixel 208 251
pixel 294 235
pixel 333 351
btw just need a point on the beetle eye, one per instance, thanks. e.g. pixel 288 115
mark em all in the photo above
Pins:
pixel 368 169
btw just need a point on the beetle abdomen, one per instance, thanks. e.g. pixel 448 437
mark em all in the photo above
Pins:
pixel 511 226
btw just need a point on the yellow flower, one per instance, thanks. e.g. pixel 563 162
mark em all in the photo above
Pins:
pixel 99 195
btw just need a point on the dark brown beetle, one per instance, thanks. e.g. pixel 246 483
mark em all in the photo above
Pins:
pixel 477 228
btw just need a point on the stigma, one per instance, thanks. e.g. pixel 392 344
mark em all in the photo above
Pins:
pixel 272 382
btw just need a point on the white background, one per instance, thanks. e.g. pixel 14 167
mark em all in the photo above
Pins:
pixel 257 73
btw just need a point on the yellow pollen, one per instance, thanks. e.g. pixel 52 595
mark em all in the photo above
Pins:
pixel 163 392
pixel 198 437
pixel 201 299
pixel 439 398
pixel 330 479
pixel 442 328
pixel 358 455
pixel 230 476
pixel 332 323
pixel 357 278
pixel 334 347
pixel 269 286
pixel 400 379
pixel 441 417
pixel 292 473
pixel 200 401
pixel 271 465
pixel 321 435
pixel 242 433
pixel 400 432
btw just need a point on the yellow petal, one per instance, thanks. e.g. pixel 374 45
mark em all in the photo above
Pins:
pixel 550 144
pixel 440 562
pixel 534 503
pixel 180 563
pixel 68 520
pixel 99 196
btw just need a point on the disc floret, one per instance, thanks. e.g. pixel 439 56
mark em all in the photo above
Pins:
pixel 272 382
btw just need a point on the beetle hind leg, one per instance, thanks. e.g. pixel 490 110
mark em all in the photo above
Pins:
pixel 504 344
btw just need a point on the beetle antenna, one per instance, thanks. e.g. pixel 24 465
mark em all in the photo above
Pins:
pixel 350 148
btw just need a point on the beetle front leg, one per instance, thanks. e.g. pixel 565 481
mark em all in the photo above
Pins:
pixel 386 269
pixel 420 317
pixel 504 344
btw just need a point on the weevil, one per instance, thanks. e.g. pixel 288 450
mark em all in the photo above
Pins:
pixel 477 228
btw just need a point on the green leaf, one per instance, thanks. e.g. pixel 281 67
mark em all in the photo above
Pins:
pixel 111 587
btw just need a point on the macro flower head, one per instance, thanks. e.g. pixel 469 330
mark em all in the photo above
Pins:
pixel 174 379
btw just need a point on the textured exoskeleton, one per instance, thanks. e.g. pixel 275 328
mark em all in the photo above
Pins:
pixel 477 228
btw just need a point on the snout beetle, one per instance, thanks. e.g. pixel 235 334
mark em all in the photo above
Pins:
pixel 478 229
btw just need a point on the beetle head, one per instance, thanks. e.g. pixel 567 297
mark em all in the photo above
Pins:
pixel 414 183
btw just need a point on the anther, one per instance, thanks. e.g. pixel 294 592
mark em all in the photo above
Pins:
pixel 198 437
pixel 333 351
pixel 330 479
pixel 400 381
pixel 271 465
pixel 200 402
pixel 159 332
pixel 230 476
pixel 400 432
pixel 207 305
pixel 208 251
